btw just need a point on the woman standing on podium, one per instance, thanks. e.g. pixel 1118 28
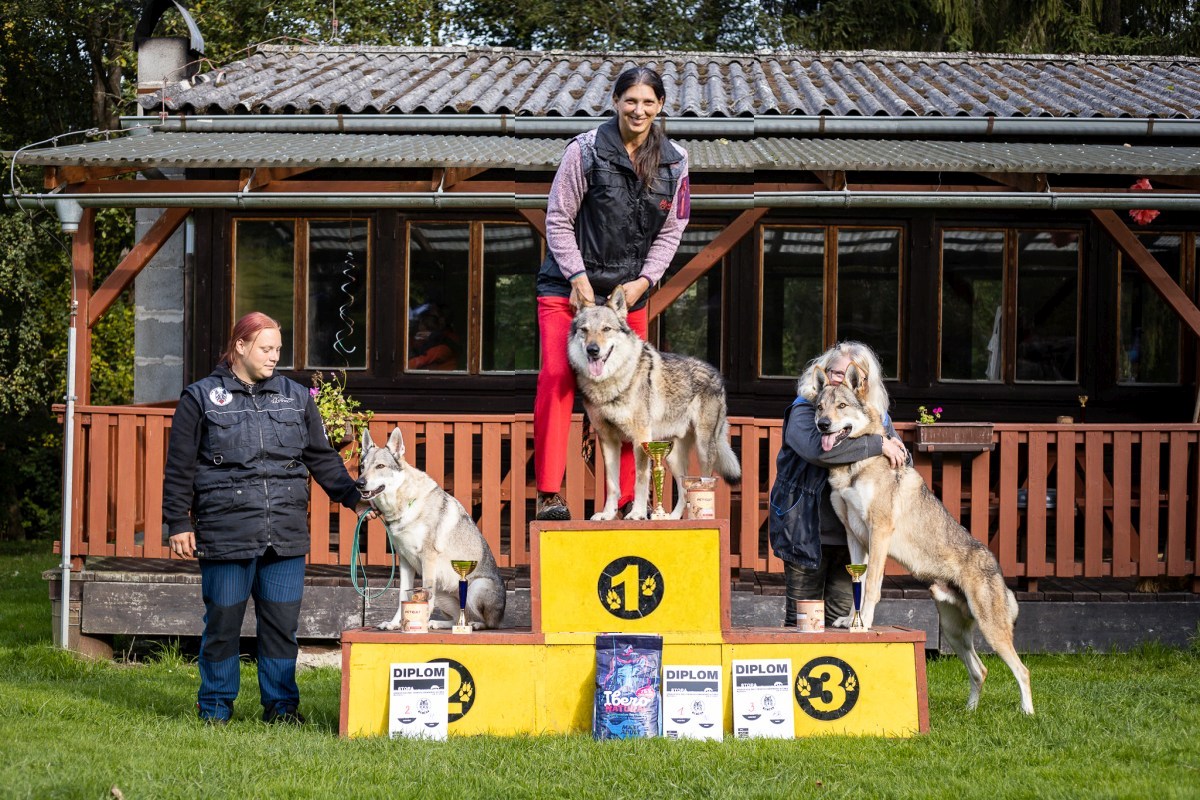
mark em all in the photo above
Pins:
pixel 617 209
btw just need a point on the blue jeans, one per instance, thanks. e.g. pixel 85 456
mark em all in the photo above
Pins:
pixel 277 586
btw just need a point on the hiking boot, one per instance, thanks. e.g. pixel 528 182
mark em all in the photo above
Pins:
pixel 552 508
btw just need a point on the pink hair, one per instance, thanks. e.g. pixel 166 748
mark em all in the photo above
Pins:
pixel 246 329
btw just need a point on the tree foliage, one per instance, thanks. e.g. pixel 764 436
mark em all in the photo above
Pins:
pixel 1134 27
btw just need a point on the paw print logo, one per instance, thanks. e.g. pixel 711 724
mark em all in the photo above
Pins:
pixel 648 586
pixel 613 600
pixel 851 684
pixel 466 692
pixel 803 687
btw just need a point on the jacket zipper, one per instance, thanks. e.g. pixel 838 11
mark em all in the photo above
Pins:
pixel 262 447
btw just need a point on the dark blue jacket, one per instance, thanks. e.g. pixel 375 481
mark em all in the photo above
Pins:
pixel 799 500
pixel 238 464
pixel 619 218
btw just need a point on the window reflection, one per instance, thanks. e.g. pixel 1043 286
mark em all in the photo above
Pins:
pixel 972 299
pixel 337 294
pixel 264 275
pixel 1047 305
pixel 438 295
pixel 691 325
pixel 1149 333
pixel 793 286
pixel 868 291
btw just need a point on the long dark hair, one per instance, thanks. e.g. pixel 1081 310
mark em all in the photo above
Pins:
pixel 646 157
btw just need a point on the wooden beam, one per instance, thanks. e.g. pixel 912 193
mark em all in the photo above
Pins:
pixel 155 186
pixel 535 217
pixel 134 261
pixel 83 255
pixel 445 177
pixel 834 180
pixel 1132 247
pixel 703 261
pixel 55 177
pixel 1021 181
pixel 262 176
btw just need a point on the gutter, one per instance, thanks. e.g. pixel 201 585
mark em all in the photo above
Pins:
pixel 680 127
pixel 1049 201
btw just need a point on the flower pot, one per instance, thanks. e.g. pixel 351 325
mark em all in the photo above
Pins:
pixel 955 437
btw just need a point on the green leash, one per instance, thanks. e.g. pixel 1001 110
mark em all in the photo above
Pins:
pixel 355 568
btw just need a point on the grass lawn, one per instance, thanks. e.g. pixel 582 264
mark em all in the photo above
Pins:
pixel 1108 725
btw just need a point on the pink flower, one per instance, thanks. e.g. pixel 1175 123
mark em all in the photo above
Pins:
pixel 1142 216
pixel 313 391
pixel 937 410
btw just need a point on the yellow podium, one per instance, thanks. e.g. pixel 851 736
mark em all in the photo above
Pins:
pixel 669 578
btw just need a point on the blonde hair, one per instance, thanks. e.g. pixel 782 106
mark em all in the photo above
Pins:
pixel 861 356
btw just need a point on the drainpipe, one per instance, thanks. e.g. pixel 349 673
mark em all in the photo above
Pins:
pixel 1048 201
pixel 69 215
pixel 679 127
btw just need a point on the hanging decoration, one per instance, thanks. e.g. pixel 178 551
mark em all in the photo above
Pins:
pixel 1143 216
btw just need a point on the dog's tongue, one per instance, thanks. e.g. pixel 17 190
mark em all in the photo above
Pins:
pixel 596 367
pixel 829 440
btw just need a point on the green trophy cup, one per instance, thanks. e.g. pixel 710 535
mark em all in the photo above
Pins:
pixel 657 451
pixel 856 572
pixel 463 568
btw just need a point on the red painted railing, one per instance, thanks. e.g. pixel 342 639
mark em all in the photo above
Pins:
pixel 1050 500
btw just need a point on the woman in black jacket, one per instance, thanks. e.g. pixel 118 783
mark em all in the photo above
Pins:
pixel 235 495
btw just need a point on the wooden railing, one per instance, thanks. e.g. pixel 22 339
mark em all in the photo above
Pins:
pixel 1050 500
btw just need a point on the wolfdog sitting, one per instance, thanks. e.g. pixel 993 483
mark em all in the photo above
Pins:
pixel 634 393
pixel 429 528
pixel 891 512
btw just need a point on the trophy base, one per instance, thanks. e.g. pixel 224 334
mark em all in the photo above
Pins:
pixel 462 629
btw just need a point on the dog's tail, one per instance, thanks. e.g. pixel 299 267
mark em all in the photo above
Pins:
pixel 725 461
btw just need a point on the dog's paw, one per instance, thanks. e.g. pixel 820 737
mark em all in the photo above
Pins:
pixel 605 516
pixel 440 625
pixel 393 625
pixel 841 622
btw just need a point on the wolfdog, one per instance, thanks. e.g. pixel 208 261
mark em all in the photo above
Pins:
pixel 634 393
pixel 891 512
pixel 428 528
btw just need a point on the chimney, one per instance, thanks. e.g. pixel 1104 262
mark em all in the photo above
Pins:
pixel 164 60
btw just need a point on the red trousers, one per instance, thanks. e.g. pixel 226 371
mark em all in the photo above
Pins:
pixel 556 398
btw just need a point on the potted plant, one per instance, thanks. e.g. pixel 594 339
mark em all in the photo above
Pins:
pixel 951 437
pixel 344 422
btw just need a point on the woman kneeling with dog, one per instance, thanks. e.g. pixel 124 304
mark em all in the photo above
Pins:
pixel 614 218
pixel 235 496
pixel 805 531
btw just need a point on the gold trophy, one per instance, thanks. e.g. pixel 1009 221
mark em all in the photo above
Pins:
pixel 856 572
pixel 463 568
pixel 657 451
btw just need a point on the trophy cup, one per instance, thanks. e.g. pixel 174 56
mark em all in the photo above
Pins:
pixel 856 572
pixel 463 568
pixel 657 451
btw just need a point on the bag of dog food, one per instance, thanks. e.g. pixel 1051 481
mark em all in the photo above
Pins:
pixel 628 686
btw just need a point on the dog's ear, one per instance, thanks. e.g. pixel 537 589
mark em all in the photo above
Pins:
pixel 856 379
pixel 367 442
pixel 820 378
pixel 396 443
pixel 616 301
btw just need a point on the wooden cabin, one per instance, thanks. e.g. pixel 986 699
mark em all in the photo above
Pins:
pixel 983 221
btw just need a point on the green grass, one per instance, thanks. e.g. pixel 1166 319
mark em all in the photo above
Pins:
pixel 1108 725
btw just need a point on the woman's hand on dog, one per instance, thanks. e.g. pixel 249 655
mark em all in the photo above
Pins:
pixel 895 451
pixel 582 293
pixel 184 544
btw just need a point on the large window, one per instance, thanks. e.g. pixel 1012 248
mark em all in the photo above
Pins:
pixel 471 297
pixel 692 324
pixel 1149 336
pixel 986 272
pixel 312 270
pixel 821 285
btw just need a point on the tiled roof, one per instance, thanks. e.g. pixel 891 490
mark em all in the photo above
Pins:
pixel 314 79
pixel 250 150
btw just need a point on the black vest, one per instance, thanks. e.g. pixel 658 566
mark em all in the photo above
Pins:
pixel 620 215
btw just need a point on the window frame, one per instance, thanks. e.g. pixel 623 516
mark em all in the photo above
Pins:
pixel 1189 242
pixel 300 272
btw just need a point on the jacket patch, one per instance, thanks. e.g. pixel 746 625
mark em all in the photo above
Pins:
pixel 684 211
pixel 220 396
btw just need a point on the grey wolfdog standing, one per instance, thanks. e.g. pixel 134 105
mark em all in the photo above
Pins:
pixel 429 528
pixel 634 393
pixel 891 512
